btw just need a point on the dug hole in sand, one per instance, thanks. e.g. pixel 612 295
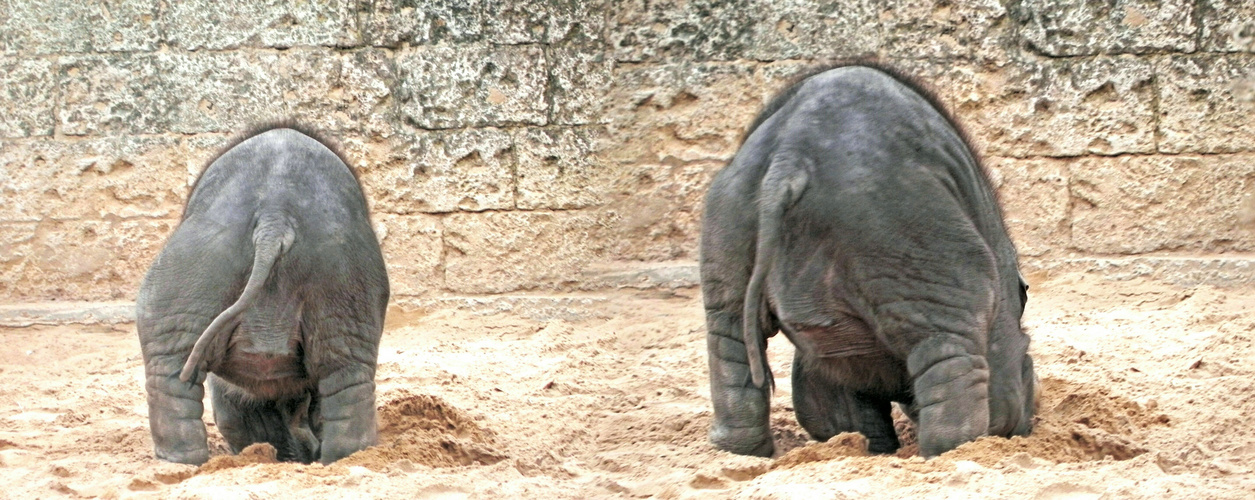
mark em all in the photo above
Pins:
pixel 1147 391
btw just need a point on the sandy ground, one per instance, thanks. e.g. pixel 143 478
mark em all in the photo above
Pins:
pixel 1148 394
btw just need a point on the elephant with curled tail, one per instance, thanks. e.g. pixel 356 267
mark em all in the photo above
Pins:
pixel 856 219
pixel 272 289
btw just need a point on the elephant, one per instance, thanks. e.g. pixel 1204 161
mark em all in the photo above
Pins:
pixel 273 288
pixel 856 219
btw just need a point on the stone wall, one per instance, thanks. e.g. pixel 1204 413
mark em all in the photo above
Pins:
pixel 549 144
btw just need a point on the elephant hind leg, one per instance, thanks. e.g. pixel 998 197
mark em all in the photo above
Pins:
pixel 826 409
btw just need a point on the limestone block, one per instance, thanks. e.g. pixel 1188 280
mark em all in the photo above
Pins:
pixel 1207 103
pixel 27 89
pixel 1227 25
pixel 15 255
pixel 200 25
pixel 813 29
pixel 446 171
pixel 942 29
pixel 121 93
pixel 1078 27
pixel 707 30
pixel 496 252
pixel 78 259
pixel 451 87
pixel 200 92
pixel 557 169
pixel 579 22
pixel 424 22
pixel 1138 204
pixel 1104 105
pixel 580 84
pixel 657 213
pixel 413 249
pixel 58 27
pixel 687 112
pixel 100 177
pixel 1034 198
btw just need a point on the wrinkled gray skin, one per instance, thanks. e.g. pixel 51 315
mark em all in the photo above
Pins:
pixel 276 251
pixel 856 220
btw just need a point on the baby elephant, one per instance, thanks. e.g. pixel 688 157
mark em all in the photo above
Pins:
pixel 274 287
pixel 856 220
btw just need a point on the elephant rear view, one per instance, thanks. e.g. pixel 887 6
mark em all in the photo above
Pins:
pixel 856 219
pixel 273 289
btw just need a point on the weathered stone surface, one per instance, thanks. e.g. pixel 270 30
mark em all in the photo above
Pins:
pixel 496 252
pixel 445 171
pixel 1035 203
pixel 518 122
pixel 628 274
pixel 565 307
pixel 545 21
pixel 1227 25
pixel 1078 27
pixel 446 87
pixel 269 23
pixel 1138 204
pixel 224 91
pixel 27 87
pixel 1099 106
pixel 580 83
pixel 95 178
pixel 755 29
pixel 16 272
pixel 941 29
pixel 1219 270
pixel 1207 103
pixel 556 169
pixel 58 27
pixel 813 29
pixel 423 22
pixel 61 313
pixel 114 93
pixel 413 249
pixel 78 259
pixel 685 111
pixel 660 219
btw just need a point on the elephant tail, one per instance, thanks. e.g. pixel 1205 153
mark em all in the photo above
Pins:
pixel 781 188
pixel 273 235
